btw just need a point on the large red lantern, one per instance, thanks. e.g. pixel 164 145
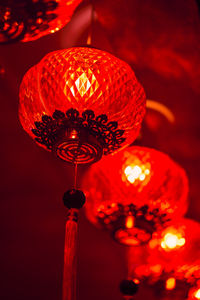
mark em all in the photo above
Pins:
pixel 28 20
pixel 135 193
pixel 80 103
pixel 171 262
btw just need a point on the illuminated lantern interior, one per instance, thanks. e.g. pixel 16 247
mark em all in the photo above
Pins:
pixel 80 103
pixel 170 283
pixel 129 222
pixel 131 193
pixel 197 294
pixel 28 20
pixel 136 172
pixel 172 240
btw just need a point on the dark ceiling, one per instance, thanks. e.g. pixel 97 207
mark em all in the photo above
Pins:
pixel 161 41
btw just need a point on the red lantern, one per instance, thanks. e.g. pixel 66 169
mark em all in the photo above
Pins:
pixel 80 103
pixel 28 20
pixel 171 260
pixel 102 99
pixel 135 193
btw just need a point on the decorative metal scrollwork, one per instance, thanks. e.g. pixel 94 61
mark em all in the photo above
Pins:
pixel 57 131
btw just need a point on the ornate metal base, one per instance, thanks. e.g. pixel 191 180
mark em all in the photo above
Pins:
pixel 143 224
pixel 78 139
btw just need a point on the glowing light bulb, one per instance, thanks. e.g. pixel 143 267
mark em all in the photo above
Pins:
pixel 147 172
pixel 181 242
pixel 131 178
pixel 136 171
pixel 170 283
pixel 130 222
pixel 142 177
pixel 170 240
pixel 135 280
pixel 127 171
pixel 197 294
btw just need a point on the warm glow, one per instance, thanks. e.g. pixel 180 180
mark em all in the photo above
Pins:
pixel 197 294
pixel 73 134
pixel 164 110
pixel 170 283
pixel 136 172
pixel 172 241
pixel 83 84
pixel 156 268
pixel 135 280
pixel 181 242
pixel 129 222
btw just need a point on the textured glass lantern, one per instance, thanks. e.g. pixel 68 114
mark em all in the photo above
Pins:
pixel 135 193
pixel 81 103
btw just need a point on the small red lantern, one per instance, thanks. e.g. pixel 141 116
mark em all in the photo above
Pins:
pixel 80 103
pixel 28 20
pixel 180 237
pixel 135 193
pixel 171 261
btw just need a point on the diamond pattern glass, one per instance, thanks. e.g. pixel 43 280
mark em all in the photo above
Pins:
pixel 83 78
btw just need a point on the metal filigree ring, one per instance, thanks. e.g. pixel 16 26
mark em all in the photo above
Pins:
pixel 71 150
pixel 144 222
pixel 79 139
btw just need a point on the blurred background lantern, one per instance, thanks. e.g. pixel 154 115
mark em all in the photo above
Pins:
pixel 28 20
pixel 135 193
pixel 194 293
pixel 102 99
pixel 170 263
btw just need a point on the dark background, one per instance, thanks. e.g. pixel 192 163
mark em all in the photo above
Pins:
pixel 161 41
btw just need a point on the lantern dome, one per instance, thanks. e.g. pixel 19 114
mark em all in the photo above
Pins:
pixel 90 93
pixel 135 193
pixel 28 20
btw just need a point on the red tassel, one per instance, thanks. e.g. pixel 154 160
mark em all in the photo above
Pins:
pixel 70 256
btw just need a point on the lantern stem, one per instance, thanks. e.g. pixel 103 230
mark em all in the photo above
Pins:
pixel 73 200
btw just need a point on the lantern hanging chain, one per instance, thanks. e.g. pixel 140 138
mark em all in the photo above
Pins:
pixel 90 32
